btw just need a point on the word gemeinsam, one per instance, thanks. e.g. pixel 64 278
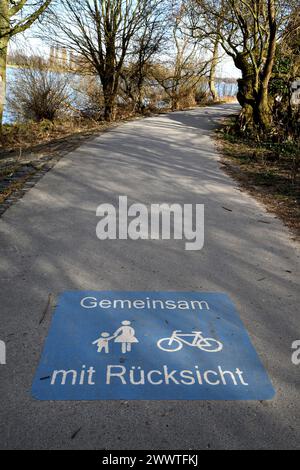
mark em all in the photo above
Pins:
pixel 137 222
pixel 146 303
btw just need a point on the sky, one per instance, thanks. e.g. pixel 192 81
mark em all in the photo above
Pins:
pixel 227 69
pixel 28 42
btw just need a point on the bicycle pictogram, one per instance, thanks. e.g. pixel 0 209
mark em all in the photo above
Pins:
pixel 195 339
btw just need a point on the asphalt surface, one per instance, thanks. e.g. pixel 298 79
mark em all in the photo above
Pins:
pixel 48 245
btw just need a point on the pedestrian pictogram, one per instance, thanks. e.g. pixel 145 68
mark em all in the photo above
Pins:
pixel 125 336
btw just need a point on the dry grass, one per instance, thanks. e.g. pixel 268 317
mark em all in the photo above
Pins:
pixel 27 148
pixel 13 187
pixel 228 99
pixel 29 134
pixel 267 172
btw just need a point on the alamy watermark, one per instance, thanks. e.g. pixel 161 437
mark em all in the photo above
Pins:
pixel 296 353
pixel 156 222
pixel 2 353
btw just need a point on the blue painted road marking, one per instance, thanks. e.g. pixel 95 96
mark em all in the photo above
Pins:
pixel 149 346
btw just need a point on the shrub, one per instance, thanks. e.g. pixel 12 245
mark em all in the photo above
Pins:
pixel 201 95
pixel 88 97
pixel 39 94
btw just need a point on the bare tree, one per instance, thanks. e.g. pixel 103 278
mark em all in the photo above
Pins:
pixel 248 31
pixel 213 68
pixel 185 67
pixel 102 32
pixel 209 44
pixel 147 44
pixel 16 16
pixel 285 76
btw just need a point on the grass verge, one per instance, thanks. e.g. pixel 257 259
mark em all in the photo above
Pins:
pixel 268 171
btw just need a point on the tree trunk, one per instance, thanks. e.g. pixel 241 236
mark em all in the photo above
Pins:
pixel 175 102
pixel 246 98
pixel 109 109
pixel 212 73
pixel 140 101
pixel 263 116
pixel 3 65
pixel 3 62
pixel 247 93
pixel 4 39
pixel 263 111
pixel 109 100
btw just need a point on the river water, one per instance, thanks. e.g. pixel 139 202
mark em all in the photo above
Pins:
pixel 224 89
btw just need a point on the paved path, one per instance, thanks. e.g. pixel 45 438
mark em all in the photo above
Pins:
pixel 48 245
